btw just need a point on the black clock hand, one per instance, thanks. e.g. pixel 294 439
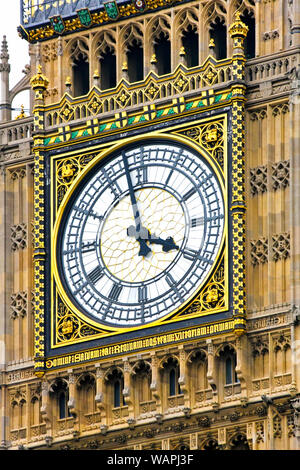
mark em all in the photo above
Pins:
pixel 167 244
pixel 139 230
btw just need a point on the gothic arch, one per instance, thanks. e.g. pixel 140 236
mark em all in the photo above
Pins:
pixel 221 349
pixel 186 23
pixel 238 442
pixel 158 36
pixel 78 54
pixel 215 23
pixel 132 51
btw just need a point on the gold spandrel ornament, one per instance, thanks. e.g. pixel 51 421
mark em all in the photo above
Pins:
pixel 211 137
pixel 69 326
pixel 66 172
pixel 212 296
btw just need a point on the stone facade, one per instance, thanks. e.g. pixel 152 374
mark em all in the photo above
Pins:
pixel 232 391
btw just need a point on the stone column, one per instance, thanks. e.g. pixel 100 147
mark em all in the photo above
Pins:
pixel 39 84
pixel 5 104
pixel 238 32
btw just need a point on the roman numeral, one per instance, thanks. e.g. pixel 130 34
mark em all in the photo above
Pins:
pixel 96 274
pixel 88 246
pixel 172 283
pixel 170 280
pixel 189 194
pixel 115 292
pixel 197 221
pixel 191 255
pixel 142 294
pixel 142 174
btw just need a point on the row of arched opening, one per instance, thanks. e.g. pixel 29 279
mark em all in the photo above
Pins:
pixel 132 60
pixel 141 381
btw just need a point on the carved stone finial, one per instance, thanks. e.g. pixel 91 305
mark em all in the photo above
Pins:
pixel 4 49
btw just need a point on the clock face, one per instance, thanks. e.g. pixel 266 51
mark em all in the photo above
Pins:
pixel 141 234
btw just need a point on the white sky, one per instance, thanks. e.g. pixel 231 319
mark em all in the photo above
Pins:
pixel 17 47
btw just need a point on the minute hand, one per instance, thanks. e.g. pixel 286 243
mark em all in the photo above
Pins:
pixel 144 249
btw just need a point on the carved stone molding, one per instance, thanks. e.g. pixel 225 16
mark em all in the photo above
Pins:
pixel 258 114
pixel 270 35
pixel 19 304
pixel 280 246
pixel 259 251
pixel 18 236
pixel 258 180
pixel 281 174
pixel 282 108
pixel 17 173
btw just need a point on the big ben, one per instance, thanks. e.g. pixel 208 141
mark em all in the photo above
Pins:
pixel 150 238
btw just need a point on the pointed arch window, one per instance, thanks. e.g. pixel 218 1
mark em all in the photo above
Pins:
pixel 162 50
pixel 190 42
pixel 135 61
pixel 116 384
pixel 80 68
pixel 108 66
pixel 218 32
pixel 230 365
pixel 249 19
pixel 63 410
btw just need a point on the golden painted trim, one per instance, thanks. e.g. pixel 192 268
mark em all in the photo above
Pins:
pixel 113 147
pixel 132 347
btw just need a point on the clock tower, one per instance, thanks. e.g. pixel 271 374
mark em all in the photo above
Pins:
pixel 151 287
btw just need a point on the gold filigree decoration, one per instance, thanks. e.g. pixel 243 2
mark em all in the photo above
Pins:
pixel 210 76
pixel 123 98
pixel 66 172
pixel 69 326
pixel 180 83
pixel 211 137
pixel 95 105
pixel 151 91
pixel 67 112
pixel 212 296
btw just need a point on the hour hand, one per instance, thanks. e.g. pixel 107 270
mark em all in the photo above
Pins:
pixel 141 236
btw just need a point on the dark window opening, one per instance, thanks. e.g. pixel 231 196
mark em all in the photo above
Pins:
pixel 135 62
pixel 174 387
pixel 117 394
pixel 230 373
pixel 218 33
pixel 63 405
pixel 108 76
pixel 162 50
pixel 81 76
pixel 172 383
pixel 190 42
pixel 249 20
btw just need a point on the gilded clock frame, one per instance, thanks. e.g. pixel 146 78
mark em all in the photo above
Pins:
pixel 70 326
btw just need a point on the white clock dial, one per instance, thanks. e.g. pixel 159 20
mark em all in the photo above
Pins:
pixel 141 235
